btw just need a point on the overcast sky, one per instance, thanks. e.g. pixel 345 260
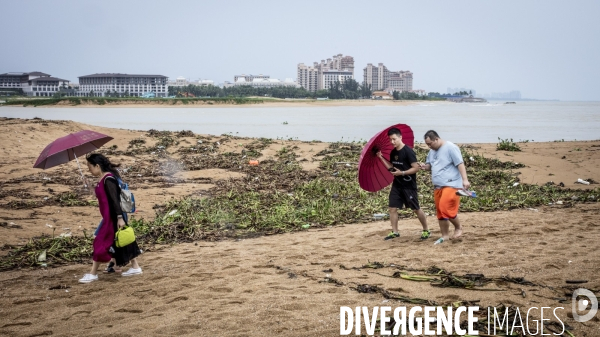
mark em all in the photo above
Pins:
pixel 545 49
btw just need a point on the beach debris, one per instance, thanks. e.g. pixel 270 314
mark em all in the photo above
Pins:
pixel 576 281
pixel 59 287
pixel 417 278
pixel 366 288
pixel 379 216
pixel 330 279
pixel 172 212
pixel 523 293
pixel 374 265
pixel 468 281
pixel 262 206
pixel 515 185
pixel 292 275
pixel 50 226
pixel 581 181
pixel 471 158
pixel 517 280
pixel 387 294
pixel 42 256
pixel 328 270
pixel 253 162
pixel 532 209
pixel 559 202
pixel 306 226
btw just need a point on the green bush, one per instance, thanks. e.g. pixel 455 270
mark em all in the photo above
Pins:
pixel 507 145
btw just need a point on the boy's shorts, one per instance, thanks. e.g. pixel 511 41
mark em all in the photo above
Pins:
pixel 446 203
pixel 401 197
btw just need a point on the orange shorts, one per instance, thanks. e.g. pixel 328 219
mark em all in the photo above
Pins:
pixel 446 203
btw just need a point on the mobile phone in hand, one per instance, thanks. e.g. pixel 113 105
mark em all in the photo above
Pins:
pixel 392 169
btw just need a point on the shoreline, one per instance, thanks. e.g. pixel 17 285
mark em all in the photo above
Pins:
pixel 265 103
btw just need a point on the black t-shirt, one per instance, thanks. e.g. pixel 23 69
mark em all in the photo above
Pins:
pixel 402 160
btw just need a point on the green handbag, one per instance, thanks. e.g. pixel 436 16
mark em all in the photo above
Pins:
pixel 124 236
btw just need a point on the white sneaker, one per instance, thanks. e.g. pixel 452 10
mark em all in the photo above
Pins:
pixel 132 271
pixel 87 278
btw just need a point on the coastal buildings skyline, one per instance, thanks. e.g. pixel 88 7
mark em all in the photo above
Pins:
pixel 41 84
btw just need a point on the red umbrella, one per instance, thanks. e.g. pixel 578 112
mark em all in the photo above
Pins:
pixel 372 174
pixel 67 148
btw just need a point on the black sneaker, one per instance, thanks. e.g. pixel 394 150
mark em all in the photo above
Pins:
pixel 392 235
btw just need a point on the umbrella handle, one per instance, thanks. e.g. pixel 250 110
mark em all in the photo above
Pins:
pixel 81 172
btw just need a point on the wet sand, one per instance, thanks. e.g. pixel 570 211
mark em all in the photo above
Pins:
pixel 277 285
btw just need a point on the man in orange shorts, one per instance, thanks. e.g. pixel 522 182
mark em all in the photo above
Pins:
pixel 448 175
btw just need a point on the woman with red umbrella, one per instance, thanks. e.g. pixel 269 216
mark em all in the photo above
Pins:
pixel 107 192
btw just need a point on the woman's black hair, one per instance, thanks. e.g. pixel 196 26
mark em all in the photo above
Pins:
pixel 105 164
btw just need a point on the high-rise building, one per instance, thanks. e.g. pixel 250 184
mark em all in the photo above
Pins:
pixel 400 81
pixel 321 75
pixel 307 77
pixel 380 78
pixel 371 76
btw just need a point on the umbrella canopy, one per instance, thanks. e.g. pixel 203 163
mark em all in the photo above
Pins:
pixel 69 147
pixel 372 174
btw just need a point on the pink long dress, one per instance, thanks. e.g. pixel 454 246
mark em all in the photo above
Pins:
pixel 106 235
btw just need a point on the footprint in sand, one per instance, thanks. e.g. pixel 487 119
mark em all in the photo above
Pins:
pixel 81 312
pixel 177 299
pixel 43 333
pixel 131 311
pixel 28 300
pixel 16 324
pixel 76 304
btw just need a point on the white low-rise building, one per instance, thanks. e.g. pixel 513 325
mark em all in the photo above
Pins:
pixel 329 77
pixel 182 82
pixel 100 85
pixel 262 83
pixel 33 84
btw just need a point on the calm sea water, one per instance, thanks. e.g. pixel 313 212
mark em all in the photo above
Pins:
pixel 459 122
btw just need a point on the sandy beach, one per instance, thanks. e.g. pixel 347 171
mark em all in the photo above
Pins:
pixel 290 284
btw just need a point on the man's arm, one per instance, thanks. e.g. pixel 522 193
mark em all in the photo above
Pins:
pixel 463 174
pixel 426 167
pixel 387 164
pixel 415 167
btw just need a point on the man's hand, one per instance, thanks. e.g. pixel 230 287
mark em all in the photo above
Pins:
pixel 466 184
pixel 379 154
pixel 396 172
pixel 120 223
